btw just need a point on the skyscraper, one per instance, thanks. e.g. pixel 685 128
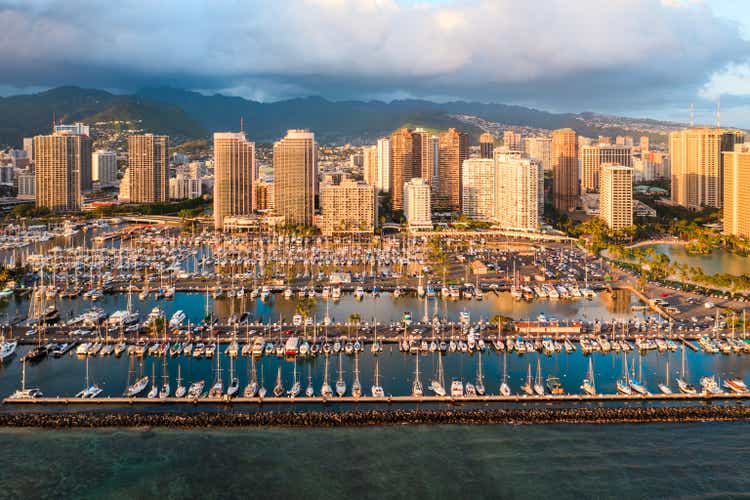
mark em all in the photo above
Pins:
pixel 564 170
pixel 453 150
pixel 478 188
pixel 294 177
pixel 148 168
pixel 592 157
pixel 512 141
pixel 486 146
pixel 616 198
pixel 517 192
pixel 540 149
pixel 59 161
pixel 370 165
pixel 697 165
pixel 405 159
pixel 736 192
pixel 383 182
pixel 234 174
pixel 104 167
pixel 428 156
pixel 644 145
pixel 417 204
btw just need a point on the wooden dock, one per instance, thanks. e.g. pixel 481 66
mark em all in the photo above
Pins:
pixel 566 398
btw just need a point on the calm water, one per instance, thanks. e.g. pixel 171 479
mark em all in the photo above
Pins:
pixel 718 261
pixel 567 461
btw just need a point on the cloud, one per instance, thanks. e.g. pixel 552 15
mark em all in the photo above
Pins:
pixel 555 53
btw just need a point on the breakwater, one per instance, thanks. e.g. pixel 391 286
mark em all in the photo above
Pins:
pixel 380 417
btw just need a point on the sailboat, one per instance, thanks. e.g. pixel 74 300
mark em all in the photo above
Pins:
pixel 356 385
pixel 664 386
pixel 416 387
pixel 278 389
pixel 89 390
pixel 25 393
pixel 682 383
pixel 504 387
pixel 310 390
pixel 636 383
pixel 538 384
pixel 480 378
pixel 154 392
pixel 296 386
pixel 528 386
pixel 325 390
pixel 234 382
pixel 623 384
pixel 165 389
pixel 180 390
pixel 377 390
pixel 437 385
pixel 262 386
pixel 217 389
pixel 589 386
pixel 340 383
pixel 139 385
pixel 252 386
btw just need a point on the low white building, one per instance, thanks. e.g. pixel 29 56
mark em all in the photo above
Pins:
pixel 417 199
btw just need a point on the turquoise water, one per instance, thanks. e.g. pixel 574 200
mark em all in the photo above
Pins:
pixel 560 461
pixel 718 261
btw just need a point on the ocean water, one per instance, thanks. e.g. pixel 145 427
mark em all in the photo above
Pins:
pixel 501 461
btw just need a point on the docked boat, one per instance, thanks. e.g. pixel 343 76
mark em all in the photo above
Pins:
pixel 177 319
pixel 25 392
pixel 7 350
pixel 137 387
pixel 735 385
pixel 340 383
pixel 180 390
pixel 589 386
pixel 196 389
pixel 554 386
pixel 377 390
pixel 278 389
pixel 457 389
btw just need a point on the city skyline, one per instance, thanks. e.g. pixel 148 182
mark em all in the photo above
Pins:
pixel 657 77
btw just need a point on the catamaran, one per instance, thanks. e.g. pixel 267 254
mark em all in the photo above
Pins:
pixel 24 393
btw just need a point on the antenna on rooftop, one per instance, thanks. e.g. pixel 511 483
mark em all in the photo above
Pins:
pixel 692 115
pixel 242 123
pixel 718 113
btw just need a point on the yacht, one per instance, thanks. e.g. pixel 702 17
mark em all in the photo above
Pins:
pixel 710 386
pixel 137 387
pixel 457 389
pixel 178 318
pixel 736 385
pixel 196 389
pixel 7 350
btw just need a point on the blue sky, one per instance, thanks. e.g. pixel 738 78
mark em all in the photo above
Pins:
pixel 648 58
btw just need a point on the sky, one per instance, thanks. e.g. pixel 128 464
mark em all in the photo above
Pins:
pixel 642 58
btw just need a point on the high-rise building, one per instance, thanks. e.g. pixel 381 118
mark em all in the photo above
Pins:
pixel 183 187
pixel 383 182
pixel 564 170
pixel 405 160
pixel 60 159
pixel 616 197
pixel 592 157
pixel 453 150
pixel 347 208
pixel 28 146
pixel 234 174
pixel 428 156
pixel 478 188
pixel 124 194
pixel 263 195
pixel 487 146
pixel 417 204
pixel 148 168
pixel 540 149
pixel 104 167
pixel 7 174
pixel 77 128
pixel 620 140
pixel 517 192
pixel 697 165
pixel 295 177
pixel 644 144
pixel 736 192
pixel 605 139
pixel 512 141
pixel 370 165
pixel 628 141
pixel 26 185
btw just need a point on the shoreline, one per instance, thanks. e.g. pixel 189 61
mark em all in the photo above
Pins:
pixel 366 418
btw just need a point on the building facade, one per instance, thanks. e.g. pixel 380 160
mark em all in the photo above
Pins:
pixel 60 159
pixel 616 197
pixel 148 168
pixel 697 165
pixel 184 187
pixel 565 183
pixel 295 177
pixel 384 165
pixel 348 208
pixel 417 204
pixel 737 192
pixel 263 195
pixel 593 157
pixel 517 192
pixel 453 150
pixel 234 175
pixel 405 156
pixel 512 141
pixel 104 168
pixel 370 165
pixel 478 188
pixel 487 146
pixel 540 149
